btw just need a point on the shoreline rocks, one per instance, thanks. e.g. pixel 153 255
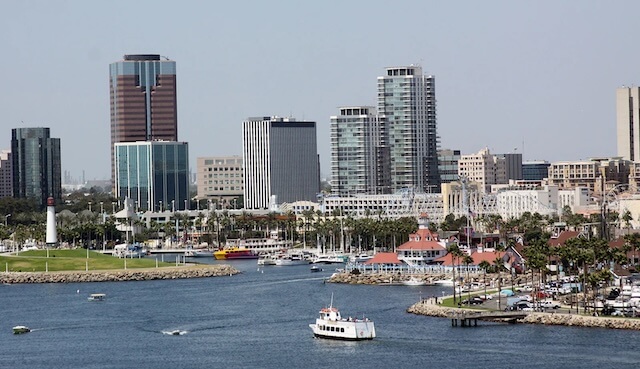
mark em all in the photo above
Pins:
pixel 118 275
pixel 569 320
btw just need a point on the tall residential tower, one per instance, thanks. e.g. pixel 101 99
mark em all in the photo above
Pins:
pixel 628 122
pixel 407 102
pixel 359 157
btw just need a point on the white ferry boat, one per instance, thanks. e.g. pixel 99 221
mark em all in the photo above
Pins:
pixel 331 325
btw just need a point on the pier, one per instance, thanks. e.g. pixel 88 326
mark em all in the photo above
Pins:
pixel 467 319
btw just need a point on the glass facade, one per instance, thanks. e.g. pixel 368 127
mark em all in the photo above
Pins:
pixel 37 171
pixel 406 99
pixel 154 174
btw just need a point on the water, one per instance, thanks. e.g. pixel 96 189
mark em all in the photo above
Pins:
pixel 260 320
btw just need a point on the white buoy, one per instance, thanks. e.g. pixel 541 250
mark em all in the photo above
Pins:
pixel 77 291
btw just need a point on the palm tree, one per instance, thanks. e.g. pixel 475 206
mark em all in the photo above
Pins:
pixel 455 252
pixel 627 218
pixel 499 265
pixel 485 265
pixel 467 259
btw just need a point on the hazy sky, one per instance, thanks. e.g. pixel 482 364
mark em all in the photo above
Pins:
pixel 536 76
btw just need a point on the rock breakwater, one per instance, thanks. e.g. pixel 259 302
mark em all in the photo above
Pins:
pixel 428 309
pixel 118 275
pixel 379 278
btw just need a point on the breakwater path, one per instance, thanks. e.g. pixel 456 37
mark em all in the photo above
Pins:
pixel 429 309
pixel 199 271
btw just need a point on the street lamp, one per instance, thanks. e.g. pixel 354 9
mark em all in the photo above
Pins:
pixel 173 206
pixel 89 206
pixel 185 205
pixel 102 210
pixel 5 219
pixel 113 207
pixel 160 202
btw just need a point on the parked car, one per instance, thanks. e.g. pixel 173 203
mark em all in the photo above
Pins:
pixel 547 304
pixel 474 301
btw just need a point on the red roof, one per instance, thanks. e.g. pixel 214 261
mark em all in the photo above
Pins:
pixel 423 239
pixel 478 257
pixel 562 238
pixel 384 258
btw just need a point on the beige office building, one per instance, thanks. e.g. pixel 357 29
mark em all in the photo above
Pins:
pixel 597 174
pixel 220 179
pixel 483 168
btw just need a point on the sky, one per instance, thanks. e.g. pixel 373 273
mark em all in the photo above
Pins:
pixel 534 77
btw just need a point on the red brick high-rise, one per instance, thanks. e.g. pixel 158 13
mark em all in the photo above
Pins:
pixel 143 100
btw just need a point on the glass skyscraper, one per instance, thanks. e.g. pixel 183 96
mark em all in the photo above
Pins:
pixel 407 103
pixel 36 164
pixel 154 174
pixel 358 154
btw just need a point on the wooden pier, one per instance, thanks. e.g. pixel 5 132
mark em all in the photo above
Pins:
pixel 467 318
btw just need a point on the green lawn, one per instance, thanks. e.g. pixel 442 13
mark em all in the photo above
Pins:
pixel 69 260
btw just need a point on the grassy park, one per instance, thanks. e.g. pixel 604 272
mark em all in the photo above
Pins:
pixel 71 260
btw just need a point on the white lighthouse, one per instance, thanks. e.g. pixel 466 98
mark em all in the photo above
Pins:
pixel 52 234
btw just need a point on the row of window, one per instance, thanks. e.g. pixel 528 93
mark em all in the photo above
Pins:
pixel 223 169
pixel 331 328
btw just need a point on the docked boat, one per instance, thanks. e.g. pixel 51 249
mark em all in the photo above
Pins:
pixel 332 325
pixel 443 282
pixel 234 253
pixel 19 329
pixel 129 251
pixel 291 259
pixel 413 281
pixel 198 253
pixel 360 258
pixel 328 259
pixel 97 297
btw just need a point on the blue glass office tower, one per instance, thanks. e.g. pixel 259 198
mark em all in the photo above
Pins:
pixel 154 174
pixel 36 164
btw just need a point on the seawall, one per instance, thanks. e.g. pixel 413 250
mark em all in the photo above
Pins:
pixel 118 275
pixel 572 320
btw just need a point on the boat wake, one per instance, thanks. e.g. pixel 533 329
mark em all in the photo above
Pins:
pixel 290 281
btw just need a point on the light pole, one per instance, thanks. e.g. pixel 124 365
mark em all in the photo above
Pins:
pixel 113 207
pixel 6 223
pixel 173 206
pixel 89 206
pixel 160 202
pixel 185 205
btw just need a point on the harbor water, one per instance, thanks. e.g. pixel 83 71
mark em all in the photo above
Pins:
pixel 260 319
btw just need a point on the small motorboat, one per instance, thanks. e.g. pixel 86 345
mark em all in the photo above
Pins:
pixel 175 332
pixel 19 329
pixel 413 281
pixel 315 268
pixel 97 297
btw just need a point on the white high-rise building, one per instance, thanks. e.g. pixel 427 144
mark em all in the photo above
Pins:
pixel 280 158
pixel 407 103
pixel 628 122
